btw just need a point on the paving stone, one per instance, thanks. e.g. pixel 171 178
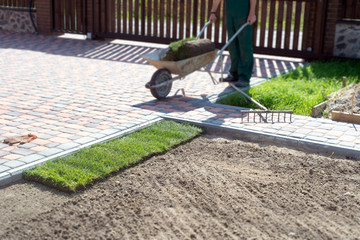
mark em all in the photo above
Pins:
pixel 35 129
pixel 74 121
pixel 341 128
pixel 53 133
pixel 31 158
pixel 303 131
pixel 347 144
pixel 68 146
pixel 13 164
pixel 317 139
pixel 22 151
pixel 331 137
pixel 326 127
pixel 74 137
pixel 98 136
pixel 14 124
pixel 269 130
pixel 2 161
pixel 352 133
pixel 316 134
pixel 52 145
pixel 44 136
pixel 38 114
pixel 313 124
pixel 85 140
pixel 297 135
pixel 333 141
pixel 50 152
pixel 59 124
pixel 4 168
pixel 3 153
pixel 283 133
pixel 69 130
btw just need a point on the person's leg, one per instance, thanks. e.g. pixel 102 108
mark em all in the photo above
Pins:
pixel 245 62
pixel 233 47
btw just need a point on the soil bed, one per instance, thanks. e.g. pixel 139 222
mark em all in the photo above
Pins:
pixel 210 188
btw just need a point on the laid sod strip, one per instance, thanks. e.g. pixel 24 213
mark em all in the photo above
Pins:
pixel 301 89
pixel 85 167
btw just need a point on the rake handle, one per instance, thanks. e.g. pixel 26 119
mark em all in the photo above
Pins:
pixel 248 97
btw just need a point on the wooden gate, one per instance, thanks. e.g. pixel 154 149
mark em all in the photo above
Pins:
pixel 69 16
pixel 284 27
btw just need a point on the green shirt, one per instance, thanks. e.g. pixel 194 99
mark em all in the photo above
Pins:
pixel 237 8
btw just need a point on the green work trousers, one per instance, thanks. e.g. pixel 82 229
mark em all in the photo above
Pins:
pixel 241 48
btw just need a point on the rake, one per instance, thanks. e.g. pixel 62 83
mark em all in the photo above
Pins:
pixel 264 115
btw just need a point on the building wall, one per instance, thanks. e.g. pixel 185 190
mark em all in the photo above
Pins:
pixel 332 15
pixel 347 40
pixel 16 21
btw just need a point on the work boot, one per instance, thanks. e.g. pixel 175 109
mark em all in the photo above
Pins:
pixel 241 83
pixel 229 78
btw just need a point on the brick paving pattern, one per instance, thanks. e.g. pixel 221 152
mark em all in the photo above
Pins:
pixel 72 93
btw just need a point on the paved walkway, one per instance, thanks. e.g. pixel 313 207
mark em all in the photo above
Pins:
pixel 72 93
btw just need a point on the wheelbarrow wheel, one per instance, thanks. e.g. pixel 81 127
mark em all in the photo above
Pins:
pixel 160 76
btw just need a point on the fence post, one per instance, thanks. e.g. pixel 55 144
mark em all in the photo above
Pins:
pixel 89 18
pixel 43 16
pixel 333 13
pixel 320 26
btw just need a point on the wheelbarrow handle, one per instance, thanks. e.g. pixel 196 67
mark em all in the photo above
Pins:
pixel 203 29
pixel 231 39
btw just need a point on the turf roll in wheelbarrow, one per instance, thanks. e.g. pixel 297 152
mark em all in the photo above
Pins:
pixel 161 81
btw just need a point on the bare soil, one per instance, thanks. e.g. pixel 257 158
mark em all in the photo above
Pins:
pixel 210 188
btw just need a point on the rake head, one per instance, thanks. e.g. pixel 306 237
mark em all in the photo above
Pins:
pixel 266 116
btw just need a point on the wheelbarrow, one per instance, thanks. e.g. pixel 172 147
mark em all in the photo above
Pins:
pixel 161 81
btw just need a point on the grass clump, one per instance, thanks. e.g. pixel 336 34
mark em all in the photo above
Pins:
pixel 301 89
pixel 175 45
pixel 85 167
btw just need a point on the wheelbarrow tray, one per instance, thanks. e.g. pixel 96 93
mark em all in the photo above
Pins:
pixel 182 67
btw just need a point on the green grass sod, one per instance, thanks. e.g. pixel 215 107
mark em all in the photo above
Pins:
pixel 300 90
pixel 89 165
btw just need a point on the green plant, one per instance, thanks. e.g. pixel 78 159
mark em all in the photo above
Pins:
pixel 89 165
pixel 301 89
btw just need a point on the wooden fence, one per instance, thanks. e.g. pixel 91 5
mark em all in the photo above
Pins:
pixel 69 16
pixel 351 9
pixel 16 3
pixel 284 27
